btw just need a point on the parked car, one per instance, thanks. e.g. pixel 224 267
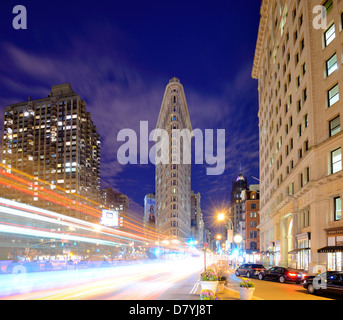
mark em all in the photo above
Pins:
pixel 281 274
pixel 331 282
pixel 250 270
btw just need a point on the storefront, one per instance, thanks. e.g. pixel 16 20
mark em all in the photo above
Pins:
pixel 334 249
pixel 271 256
pixel 301 257
pixel 252 256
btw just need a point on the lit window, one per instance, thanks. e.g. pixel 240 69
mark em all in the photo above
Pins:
pixel 333 95
pixel 335 126
pixel 331 65
pixel 329 35
pixel 336 160
pixel 328 6
pixel 338 208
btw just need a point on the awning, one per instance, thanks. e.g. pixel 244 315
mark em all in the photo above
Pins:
pixel 331 249
pixel 251 251
pixel 298 250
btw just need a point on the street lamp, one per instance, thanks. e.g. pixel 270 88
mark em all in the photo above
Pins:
pixel 221 217
pixel 237 239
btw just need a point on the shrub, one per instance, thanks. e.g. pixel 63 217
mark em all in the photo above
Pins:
pixel 207 295
pixel 245 283
pixel 209 275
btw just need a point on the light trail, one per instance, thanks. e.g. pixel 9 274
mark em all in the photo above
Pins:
pixel 103 235
pixel 29 187
pixel 131 282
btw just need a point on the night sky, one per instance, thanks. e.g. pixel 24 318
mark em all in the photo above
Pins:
pixel 120 55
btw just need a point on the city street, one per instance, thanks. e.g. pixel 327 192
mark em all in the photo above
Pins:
pixel 273 290
pixel 163 280
pixel 156 151
pixel 159 280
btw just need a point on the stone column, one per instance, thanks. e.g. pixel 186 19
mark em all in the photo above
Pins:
pixel 318 216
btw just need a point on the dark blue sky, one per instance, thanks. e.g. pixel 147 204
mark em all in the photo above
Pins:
pixel 120 55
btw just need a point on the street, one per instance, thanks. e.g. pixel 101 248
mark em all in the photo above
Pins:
pixel 158 280
pixel 166 280
pixel 273 290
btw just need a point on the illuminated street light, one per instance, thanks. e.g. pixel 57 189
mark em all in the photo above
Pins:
pixel 219 237
pixel 221 217
pixel 237 238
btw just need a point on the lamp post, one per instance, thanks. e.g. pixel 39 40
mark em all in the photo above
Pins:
pixel 237 239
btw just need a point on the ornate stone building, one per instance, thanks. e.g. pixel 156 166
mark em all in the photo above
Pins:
pixel 299 72
pixel 173 176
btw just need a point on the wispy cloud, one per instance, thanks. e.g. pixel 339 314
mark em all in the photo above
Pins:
pixel 119 97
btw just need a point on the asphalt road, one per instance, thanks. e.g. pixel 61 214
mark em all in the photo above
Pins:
pixel 163 280
pixel 273 290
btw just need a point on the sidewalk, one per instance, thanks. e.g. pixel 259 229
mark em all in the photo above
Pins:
pixel 230 291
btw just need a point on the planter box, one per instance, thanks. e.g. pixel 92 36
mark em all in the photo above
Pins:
pixel 246 293
pixel 220 287
pixel 209 285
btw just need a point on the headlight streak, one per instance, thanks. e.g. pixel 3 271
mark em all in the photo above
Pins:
pixel 132 282
pixel 26 187
pixel 25 211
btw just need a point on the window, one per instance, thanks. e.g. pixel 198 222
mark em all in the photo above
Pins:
pixel 333 95
pixel 307 175
pixel 338 208
pixel 304 94
pixel 329 35
pixel 300 130
pixel 331 65
pixel 336 161
pixel 328 6
pixel 306 120
pixel 335 126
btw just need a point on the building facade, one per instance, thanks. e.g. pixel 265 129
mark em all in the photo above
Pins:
pixel 252 221
pixel 149 220
pixel 173 176
pixel 299 72
pixel 54 141
pixel 197 222
pixel 116 201
pixel 237 211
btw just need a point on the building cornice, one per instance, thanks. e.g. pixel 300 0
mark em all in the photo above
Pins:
pixel 260 38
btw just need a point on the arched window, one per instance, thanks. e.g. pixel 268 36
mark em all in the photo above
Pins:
pixel 253 245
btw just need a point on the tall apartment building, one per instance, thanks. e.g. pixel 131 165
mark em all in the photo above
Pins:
pixel 53 139
pixel 197 222
pixel 173 178
pixel 299 72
